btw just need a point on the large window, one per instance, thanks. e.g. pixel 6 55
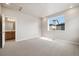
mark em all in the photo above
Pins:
pixel 56 23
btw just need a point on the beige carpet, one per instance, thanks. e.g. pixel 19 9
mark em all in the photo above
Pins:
pixel 39 47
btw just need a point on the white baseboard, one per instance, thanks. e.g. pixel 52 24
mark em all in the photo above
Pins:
pixel 26 39
pixel 22 40
pixel 72 42
pixel 66 41
pixel 60 40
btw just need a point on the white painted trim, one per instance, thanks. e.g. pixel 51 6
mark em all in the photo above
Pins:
pixel 21 40
pixel 3 31
pixel 26 39
pixel 72 42
pixel 66 41
pixel 61 40
pixel 69 42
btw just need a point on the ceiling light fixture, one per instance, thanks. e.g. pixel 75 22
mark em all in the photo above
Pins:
pixel 20 8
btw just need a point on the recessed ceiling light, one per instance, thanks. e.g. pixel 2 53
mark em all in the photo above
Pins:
pixel 70 6
pixel 11 19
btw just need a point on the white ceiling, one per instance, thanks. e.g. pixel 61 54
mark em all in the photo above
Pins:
pixel 40 9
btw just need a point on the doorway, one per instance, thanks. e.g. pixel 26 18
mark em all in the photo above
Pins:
pixel 10 30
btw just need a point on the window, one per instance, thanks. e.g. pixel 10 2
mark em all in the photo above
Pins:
pixel 56 23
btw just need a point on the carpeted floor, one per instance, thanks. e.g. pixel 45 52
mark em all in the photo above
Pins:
pixel 39 47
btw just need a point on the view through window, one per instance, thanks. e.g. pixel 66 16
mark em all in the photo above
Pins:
pixel 56 23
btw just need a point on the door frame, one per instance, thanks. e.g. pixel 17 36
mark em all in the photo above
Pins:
pixel 3 29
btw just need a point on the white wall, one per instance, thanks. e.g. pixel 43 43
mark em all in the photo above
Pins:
pixel 27 26
pixel 71 32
